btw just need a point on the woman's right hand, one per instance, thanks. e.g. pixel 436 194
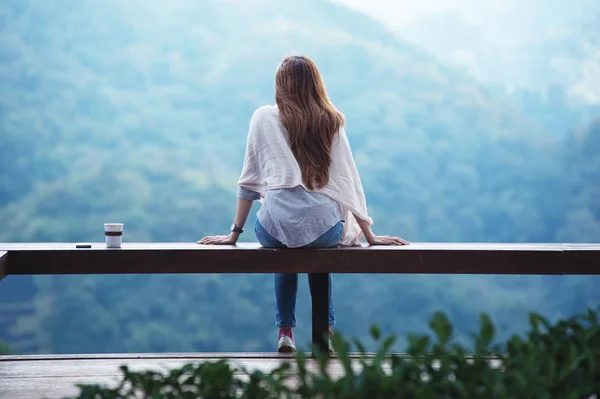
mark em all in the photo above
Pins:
pixel 386 240
pixel 372 239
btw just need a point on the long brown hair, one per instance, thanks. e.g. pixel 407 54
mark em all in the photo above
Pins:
pixel 308 115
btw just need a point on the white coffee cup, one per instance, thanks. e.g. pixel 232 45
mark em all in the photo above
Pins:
pixel 114 234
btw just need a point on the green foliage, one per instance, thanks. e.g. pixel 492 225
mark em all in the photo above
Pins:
pixel 206 380
pixel 5 349
pixel 560 360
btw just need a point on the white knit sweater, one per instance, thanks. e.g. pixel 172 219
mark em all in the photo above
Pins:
pixel 270 164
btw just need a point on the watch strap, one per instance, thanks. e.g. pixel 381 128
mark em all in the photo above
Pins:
pixel 236 229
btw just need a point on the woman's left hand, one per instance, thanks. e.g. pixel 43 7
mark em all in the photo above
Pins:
pixel 219 240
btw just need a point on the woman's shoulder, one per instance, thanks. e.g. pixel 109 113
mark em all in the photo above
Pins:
pixel 265 111
pixel 267 115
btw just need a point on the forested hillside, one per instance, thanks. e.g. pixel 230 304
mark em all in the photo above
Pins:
pixel 137 112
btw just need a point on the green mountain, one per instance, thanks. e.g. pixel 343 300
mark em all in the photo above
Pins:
pixel 137 111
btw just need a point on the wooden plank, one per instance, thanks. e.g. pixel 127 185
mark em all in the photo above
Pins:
pixel 581 254
pixel 110 367
pixel 3 264
pixel 49 388
pixel 56 378
pixel 245 246
pixel 422 258
pixel 146 356
pixel 59 387
pixel 196 356
pixel 63 387
pixel 30 377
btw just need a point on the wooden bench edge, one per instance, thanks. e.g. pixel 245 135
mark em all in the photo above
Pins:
pixel 3 264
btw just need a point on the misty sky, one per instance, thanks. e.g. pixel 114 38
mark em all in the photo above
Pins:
pixel 500 21
pixel 400 13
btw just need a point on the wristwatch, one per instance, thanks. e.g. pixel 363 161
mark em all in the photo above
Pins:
pixel 236 229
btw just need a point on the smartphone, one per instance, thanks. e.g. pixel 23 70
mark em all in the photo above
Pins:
pixel 83 245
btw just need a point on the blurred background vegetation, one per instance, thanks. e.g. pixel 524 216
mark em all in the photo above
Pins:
pixel 137 111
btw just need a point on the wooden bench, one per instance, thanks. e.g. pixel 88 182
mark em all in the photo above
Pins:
pixel 422 258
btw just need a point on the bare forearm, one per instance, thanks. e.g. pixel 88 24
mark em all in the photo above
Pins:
pixel 241 215
pixel 365 227
pixel 372 239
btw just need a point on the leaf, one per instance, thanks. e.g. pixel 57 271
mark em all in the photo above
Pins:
pixel 388 342
pixel 359 346
pixel 442 327
pixel 486 334
pixel 536 319
pixel 418 345
pixel 375 332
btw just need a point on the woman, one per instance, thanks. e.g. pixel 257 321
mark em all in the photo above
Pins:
pixel 298 158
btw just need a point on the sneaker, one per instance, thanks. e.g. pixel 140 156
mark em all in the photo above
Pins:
pixel 286 341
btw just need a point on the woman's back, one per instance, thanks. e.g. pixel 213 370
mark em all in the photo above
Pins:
pixel 290 213
pixel 271 165
pixel 298 158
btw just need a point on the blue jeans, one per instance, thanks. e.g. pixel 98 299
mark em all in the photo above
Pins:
pixel 286 284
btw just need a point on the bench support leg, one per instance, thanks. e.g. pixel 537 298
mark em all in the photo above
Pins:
pixel 320 310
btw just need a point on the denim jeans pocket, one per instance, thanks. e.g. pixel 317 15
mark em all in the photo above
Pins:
pixel 260 233
pixel 265 238
pixel 331 238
